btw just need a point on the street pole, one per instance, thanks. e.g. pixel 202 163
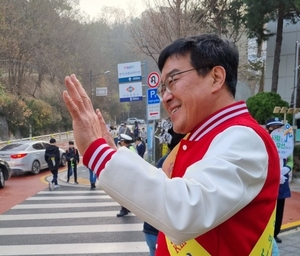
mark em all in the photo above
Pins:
pixel 91 82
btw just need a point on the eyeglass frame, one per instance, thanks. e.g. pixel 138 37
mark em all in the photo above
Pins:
pixel 160 95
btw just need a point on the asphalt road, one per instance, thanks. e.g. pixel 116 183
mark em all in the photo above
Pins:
pixel 71 220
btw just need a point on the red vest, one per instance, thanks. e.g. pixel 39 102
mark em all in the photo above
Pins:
pixel 239 234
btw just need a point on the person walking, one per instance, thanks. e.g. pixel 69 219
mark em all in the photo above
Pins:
pixel 72 157
pixel 52 158
pixel 225 170
pixel 93 179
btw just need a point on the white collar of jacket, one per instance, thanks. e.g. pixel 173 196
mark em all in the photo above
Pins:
pixel 217 118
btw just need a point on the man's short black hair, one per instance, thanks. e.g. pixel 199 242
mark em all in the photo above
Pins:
pixel 71 142
pixel 138 138
pixel 52 140
pixel 206 50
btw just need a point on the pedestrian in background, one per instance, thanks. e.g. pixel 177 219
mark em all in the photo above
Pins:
pixel 284 188
pixel 114 134
pixel 52 158
pixel 125 141
pixel 121 130
pixel 143 135
pixel 140 146
pixel 93 179
pixel 135 130
pixel 127 130
pixel 72 157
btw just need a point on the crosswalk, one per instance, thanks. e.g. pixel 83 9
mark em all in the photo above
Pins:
pixel 70 222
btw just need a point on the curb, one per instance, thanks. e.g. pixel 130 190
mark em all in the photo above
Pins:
pixel 290 226
pixel 62 177
pixel 81 181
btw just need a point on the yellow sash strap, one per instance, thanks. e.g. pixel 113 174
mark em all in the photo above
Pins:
pixel 189 248
pixel 170 160
pixel 263 247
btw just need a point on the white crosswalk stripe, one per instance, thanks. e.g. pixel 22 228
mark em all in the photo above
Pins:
pixel 76 222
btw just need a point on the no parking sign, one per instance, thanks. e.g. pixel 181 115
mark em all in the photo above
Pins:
pixel 153 79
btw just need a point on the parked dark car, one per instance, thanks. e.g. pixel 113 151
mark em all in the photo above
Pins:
pixel 5 172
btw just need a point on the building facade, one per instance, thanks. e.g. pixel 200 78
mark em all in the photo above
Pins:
pixel 286 81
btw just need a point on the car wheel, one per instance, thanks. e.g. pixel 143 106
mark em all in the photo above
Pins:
pixel 36 167
pixel 2 180
pixel 63 160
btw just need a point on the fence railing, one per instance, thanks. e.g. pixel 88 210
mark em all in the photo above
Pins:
pixel 63 136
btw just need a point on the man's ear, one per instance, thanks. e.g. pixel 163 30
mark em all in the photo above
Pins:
pixel 218 74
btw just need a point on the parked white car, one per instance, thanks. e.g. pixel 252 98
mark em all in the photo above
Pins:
pixel 28 156
pixel 132 120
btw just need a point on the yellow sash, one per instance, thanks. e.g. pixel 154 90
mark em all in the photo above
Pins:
pixel 192 247
pixel 264 243
pixel 170 160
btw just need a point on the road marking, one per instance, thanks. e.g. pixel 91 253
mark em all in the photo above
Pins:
pixel 64 205
pixel 72 192
pixel 71 249
pixel 65 215
pixel 71 229
pixel 45 198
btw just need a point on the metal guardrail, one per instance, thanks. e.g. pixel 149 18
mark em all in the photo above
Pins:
pixel 63 136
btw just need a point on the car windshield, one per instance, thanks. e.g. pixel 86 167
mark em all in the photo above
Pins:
pixel 14 147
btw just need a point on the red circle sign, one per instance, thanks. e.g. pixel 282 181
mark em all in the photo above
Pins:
pixel 153 79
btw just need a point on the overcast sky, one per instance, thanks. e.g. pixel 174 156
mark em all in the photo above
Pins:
pixel 93 7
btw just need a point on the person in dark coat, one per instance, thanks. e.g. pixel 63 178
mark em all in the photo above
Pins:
pixel 140 146
pixel 52 158
pixel 136 130
pixel 72 159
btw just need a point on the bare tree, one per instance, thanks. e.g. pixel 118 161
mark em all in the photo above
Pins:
pixel 168 20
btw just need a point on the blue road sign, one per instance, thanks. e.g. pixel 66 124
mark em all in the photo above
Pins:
pixel 129 99
pixel 130 79
pixel 152 96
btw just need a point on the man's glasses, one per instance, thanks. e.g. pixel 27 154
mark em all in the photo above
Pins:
pixel 170 81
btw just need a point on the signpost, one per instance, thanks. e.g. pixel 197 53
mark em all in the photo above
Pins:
pixel 153 102
pixel 153 80
pixel 130 92
pixel 153 105
pixel 130 81
pixel 101 91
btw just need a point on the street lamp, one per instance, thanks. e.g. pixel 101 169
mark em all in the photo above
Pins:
pixel 91 80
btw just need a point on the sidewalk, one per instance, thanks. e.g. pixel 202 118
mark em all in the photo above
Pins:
pixel 291 216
